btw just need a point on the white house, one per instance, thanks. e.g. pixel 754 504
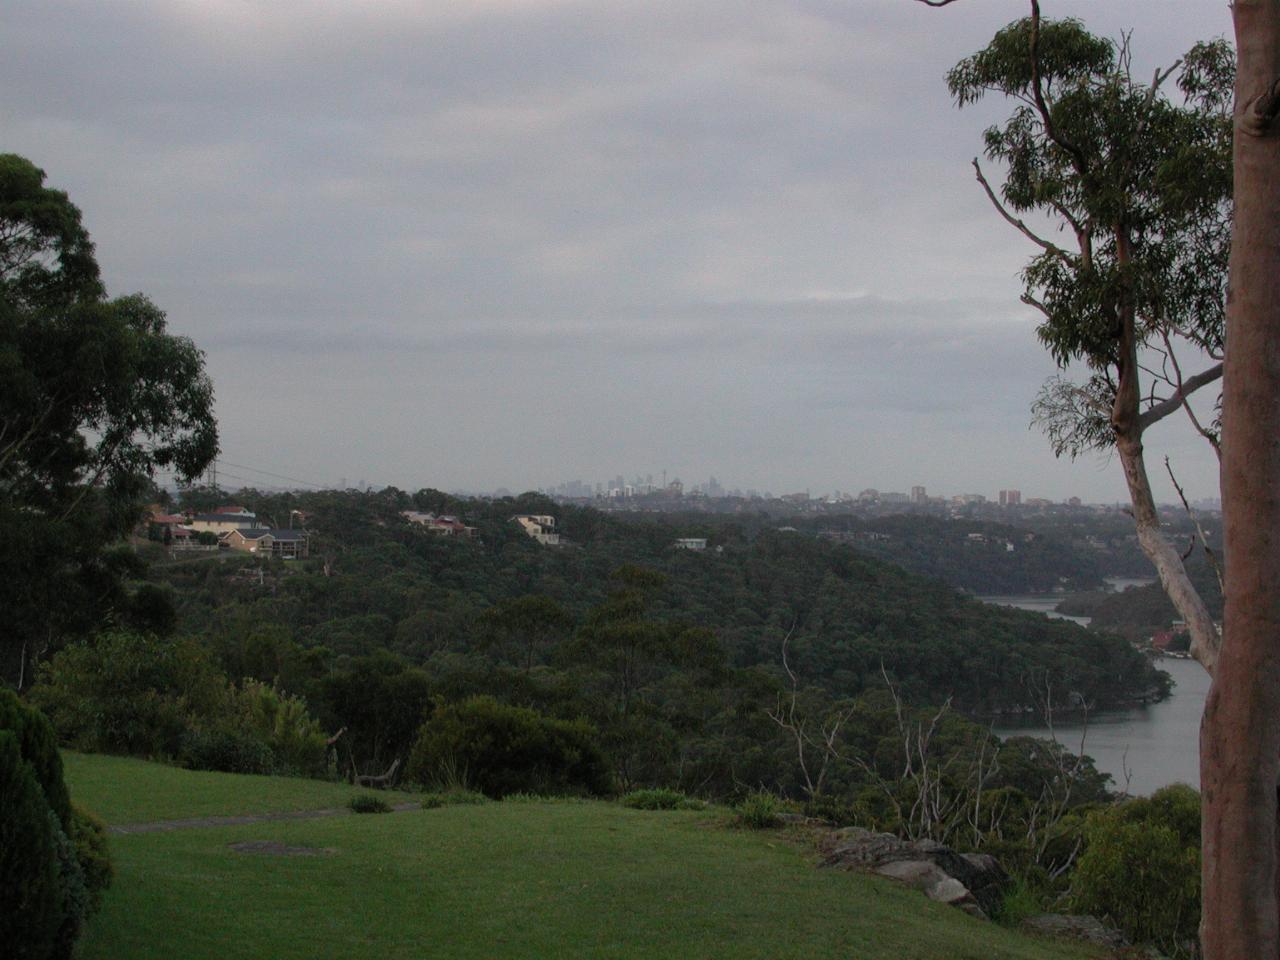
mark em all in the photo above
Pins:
pixel 540 526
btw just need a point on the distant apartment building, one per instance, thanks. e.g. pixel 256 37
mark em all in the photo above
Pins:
pixel 1010 498
pixel 540 527
pixel 918 495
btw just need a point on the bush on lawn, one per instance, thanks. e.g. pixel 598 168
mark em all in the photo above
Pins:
pixel 499 750
pixel 368 803
pixel 661 798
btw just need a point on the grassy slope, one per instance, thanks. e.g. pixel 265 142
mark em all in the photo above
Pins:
pixel 514 880
pixel 124 790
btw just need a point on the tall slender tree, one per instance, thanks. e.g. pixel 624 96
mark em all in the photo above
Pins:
pixel 1240 733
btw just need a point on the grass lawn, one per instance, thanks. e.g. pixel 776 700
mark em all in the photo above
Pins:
pixel 501 880
pixel 123 790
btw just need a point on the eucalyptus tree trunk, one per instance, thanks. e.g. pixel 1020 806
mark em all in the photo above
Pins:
pixel 1240 733
pixel 1127 425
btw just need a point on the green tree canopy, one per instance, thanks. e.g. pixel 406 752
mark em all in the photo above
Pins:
pixel 96 396
pixel 1130 278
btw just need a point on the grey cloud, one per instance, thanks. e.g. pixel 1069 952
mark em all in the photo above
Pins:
pixel 564 238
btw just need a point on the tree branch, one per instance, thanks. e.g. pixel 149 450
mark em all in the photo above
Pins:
pixel 1077 157
pixel 1179 398
pixel 1026 231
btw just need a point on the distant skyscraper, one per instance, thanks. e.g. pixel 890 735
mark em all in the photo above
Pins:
pixel 1010 498
pixel 918 495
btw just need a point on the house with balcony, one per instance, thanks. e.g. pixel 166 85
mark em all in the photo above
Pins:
pixel 540 526
pixel 266 542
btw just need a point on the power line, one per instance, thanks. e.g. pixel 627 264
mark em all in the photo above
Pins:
pixel 268 473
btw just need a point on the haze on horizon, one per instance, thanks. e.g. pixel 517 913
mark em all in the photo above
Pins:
pixel 508 243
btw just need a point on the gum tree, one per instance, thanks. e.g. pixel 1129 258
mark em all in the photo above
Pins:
pixel 1125 191
pixel 95 397
pixel 1240 732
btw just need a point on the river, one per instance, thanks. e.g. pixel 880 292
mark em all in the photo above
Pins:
pixel 1144 747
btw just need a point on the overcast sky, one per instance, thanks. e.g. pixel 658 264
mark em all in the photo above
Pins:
pixel 481 243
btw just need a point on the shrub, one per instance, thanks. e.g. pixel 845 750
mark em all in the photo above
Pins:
pixel 1021 900
pixel 758 811
pixel 225 750
pixel 1141 868
pixel 368 803
pixel 76 902
pixel 452 798
pixel 841 811
pixel 661 798
pixel 31 888
pixel 294 737
pixel 129 693
pixel 89 836
pixel 499 749
pixel 38 746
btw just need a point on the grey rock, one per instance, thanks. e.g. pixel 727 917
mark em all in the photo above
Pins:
pixel 854 847
pixel 954 893
pixel 921 874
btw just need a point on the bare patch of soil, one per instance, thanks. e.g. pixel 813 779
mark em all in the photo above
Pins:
pixel 274 848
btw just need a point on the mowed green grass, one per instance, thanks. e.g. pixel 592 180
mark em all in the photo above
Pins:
pixel 516 880
pixel 123 790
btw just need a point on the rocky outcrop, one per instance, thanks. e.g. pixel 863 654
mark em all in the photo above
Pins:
pixel 974 882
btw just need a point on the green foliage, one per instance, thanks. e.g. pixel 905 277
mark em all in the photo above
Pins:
pixel 88 834
pixel 130 693
pixel 368 803
pixel 225 749
pixel 500 749
pixel 758 811
pixel 1141 184
pixel 39 748
pixel 381 700
pixel 32 901
pixel 293 736
pixel 53 858
pixel 452 798
pixel 661 798
pixel 77 903
pixel 839 810
pixel 95 397
pixel 1141 868
pixel 46 256
pixel 1021 900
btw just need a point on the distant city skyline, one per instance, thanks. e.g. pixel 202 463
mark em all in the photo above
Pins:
pixel 236 476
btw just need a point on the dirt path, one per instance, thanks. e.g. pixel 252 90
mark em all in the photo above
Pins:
pixel 196 823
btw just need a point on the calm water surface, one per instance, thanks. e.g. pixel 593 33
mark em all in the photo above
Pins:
pixel 1153 745
pixel 1146 747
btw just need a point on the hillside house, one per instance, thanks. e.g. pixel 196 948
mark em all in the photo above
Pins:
pixel 691 543
pixel 444 526
pixel 540 527
pixel 261 541
pixel 221 523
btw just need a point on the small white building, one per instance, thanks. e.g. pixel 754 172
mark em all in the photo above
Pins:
pixel 691 543
pixel 540 527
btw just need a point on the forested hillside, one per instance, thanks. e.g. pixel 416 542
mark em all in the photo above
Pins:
pixel 376 583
